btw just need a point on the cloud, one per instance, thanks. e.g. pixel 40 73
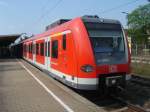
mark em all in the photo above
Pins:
pixel 3 3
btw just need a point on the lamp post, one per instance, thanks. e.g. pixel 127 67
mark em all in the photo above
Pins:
pixel 129 39
pixel 125 13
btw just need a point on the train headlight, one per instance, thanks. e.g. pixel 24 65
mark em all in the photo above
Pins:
pixel 87 68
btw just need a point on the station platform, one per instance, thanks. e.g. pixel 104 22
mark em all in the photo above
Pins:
pixel 24 88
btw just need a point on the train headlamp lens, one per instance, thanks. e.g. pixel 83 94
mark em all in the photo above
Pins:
pixel 87 68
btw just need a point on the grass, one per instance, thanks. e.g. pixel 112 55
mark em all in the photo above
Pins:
pixel 141 69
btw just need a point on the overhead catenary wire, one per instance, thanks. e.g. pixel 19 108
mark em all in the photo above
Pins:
pixel 45 5
pixel 119 6
pixel 50 10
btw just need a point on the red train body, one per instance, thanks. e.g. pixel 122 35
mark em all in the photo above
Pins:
pixel 84 53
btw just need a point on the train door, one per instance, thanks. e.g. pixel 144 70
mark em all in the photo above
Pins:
pixel 63 55
pixel 47 53
pixel 68 62
pixel 54 54
pixel 40 52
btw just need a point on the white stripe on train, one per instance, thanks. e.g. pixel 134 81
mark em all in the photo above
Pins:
pixel 77 80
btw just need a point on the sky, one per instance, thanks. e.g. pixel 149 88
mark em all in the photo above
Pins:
pixel 31 16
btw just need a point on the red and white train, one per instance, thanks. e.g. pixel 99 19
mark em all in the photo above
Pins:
pixel 84 53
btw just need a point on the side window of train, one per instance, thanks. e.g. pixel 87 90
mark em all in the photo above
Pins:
pixel 28 48
pixel 37 49
pixel 49 49
pixel 42 49
pixel 45 48
pixel 55 49
pixel 64 42
pixel 31 47
pixel 24 47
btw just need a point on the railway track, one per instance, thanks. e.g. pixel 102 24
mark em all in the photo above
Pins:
pixel 124 100
pixel 140 80
pixel 130 107
pixel 134 108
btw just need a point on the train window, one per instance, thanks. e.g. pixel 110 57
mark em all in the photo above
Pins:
pixel 42 49
pixel 55 49
pixel 31 48
pixel 23 48
pixel 49 49
pixel 64 42
pixel 27 48
pixel 37 49
pixel 45 48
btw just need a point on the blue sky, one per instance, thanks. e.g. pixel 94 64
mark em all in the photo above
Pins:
pixel 31 16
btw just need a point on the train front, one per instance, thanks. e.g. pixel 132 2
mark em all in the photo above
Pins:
pixel 110 49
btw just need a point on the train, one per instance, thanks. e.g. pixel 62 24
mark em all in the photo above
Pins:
pixel 85 53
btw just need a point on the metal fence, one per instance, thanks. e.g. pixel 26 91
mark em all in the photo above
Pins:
pixel 140 50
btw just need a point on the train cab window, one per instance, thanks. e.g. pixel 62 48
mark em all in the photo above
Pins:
pixel 42 49
pixel 55 49
pixel 64 42
pixel 49 49
pixel 37 49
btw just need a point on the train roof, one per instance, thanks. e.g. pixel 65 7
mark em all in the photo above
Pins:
pixel 86 18
pixel 57 23
pixel 97 19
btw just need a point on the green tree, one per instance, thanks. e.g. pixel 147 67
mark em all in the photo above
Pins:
pixel 139 24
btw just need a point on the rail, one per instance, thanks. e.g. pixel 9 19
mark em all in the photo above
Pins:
pixel 130 107
pixel 140 80
pixel 134 108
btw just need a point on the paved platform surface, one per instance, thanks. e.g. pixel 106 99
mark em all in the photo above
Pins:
pixel 20 92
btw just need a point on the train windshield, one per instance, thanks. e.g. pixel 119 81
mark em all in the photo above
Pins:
pixel 108 43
